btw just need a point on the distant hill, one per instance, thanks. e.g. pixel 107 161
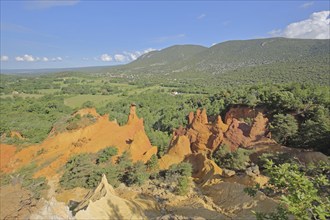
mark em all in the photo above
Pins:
pixel 164 60
pixel 237 54
pixel 274 60
pixel 229 55
pixel 168 56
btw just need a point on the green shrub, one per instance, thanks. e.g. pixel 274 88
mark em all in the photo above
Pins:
pixel 111 171
pixel 278 158
pixel 124 162
pixel 137 174
pixel 236 160
pixel 83 170
pixel 283 128
pixel 180 174
pixel 181 169
pixel 152 164
pixel 88 104
pixel 105 154
pixel 80 172
pixel 304 196
pixel 183 185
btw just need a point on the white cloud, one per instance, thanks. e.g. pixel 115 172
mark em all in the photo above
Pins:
pixel 123 57
pixel 307 5
pixel 120 58
pixel 4 58
pixel 30 58
pixel 275 32
pixel 19 58
pixel 201 16
pixel 45 4
pixel 106 57
pixel 317 26
pixel 26 57
pixel 131 56
pixel 55 59
pixel 148 50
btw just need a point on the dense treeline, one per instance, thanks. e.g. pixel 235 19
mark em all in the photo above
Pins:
pixel 32 117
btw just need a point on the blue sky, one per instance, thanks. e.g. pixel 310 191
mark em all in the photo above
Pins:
pixel 55 34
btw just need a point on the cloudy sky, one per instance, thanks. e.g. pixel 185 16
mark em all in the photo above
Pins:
pixel 75 33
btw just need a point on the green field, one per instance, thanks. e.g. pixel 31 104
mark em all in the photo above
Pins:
pixel 101 100
pixel 98 100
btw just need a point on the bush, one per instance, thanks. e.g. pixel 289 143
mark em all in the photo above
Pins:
pixel 88 104
pixel 112 173
pixel 236 160
pixel 106 154
pixel 181 169
pixel 137 174
pixel 80 172
pixel 124 162
pixel 283 128
pixel 278 158
pixel 183 185
pixel 180 174
pixel 304 196
pixel 152 164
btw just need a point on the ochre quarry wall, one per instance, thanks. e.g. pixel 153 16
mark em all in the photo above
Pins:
pixel 200 138
pixel 57 149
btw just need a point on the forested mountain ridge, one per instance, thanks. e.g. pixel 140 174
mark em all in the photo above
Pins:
pixel 229 55
pixel 167 56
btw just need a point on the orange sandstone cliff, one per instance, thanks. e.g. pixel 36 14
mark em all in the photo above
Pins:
pixel 55 150
pixel 200 138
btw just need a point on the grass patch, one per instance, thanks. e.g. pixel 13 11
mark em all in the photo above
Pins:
pixel 98 100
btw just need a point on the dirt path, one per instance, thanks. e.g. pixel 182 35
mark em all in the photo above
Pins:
pixel 53 185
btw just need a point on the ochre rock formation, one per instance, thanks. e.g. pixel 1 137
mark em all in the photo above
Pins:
pixel 103 203
pixel 204 169
pixel 234 137
pixel 199 136
pixel 241 112
pixel 259 127
pixel 57 149
pixel 240 134
pixel 7 152
pixel 199 139
pixel 179 148
pixel 203 136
